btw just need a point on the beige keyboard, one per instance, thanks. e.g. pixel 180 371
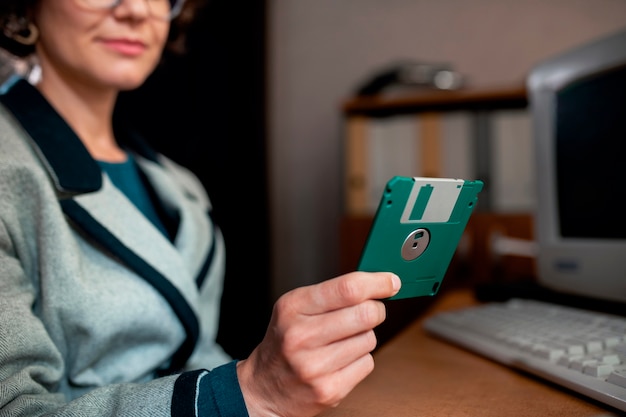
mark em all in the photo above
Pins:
pixel 581 350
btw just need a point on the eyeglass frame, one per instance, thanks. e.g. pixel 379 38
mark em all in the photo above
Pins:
pixel 174 11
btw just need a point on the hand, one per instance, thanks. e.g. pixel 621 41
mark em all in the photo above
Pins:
pixel 317 347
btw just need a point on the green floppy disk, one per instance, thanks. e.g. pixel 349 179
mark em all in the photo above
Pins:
pixel 416 229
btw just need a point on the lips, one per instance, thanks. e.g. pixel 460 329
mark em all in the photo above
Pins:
pixel 128 47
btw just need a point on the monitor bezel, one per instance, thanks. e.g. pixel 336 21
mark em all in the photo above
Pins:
pixel 593 267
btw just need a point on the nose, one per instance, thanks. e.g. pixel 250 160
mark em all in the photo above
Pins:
pixel 135 8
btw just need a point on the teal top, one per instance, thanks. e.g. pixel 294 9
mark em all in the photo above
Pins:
pixel 126 176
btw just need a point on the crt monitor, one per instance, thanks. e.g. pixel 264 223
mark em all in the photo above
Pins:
pixel 578 108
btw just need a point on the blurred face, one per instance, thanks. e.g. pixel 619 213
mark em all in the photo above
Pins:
pixel 112 48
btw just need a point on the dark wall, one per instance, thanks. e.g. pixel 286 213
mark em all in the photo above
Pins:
pixel 206 110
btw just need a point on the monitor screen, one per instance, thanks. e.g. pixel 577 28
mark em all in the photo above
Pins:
pixel 578 109
pixel 590 156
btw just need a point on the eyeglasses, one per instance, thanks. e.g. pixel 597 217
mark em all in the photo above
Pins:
pixel 161 9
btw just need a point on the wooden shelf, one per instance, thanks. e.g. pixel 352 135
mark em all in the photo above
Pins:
pixel 424 122
pixel 437 100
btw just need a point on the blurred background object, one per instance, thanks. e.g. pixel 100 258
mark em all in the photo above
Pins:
pixel 411 75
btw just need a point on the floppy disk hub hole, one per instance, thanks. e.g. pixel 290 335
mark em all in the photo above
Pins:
pixel 415 244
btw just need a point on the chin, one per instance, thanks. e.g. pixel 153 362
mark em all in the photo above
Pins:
pixel 125 79
pixel 130 86
pixel 128 83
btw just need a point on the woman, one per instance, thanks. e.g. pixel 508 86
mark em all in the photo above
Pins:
pixel 110 267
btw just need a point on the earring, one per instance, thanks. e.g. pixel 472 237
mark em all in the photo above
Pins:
pixel 21 31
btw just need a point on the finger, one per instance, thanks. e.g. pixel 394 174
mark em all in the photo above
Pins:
pixel 324 329
pixel 335 356
pixel 332 388
pixel 346 290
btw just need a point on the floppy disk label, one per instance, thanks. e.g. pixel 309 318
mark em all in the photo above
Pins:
pixel 431 200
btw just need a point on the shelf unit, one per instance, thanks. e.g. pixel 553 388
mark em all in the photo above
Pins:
pixel 474 260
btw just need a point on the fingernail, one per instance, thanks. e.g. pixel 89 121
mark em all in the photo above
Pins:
pixel 395 282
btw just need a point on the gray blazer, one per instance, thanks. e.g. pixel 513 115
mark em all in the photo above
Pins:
pixel 101 314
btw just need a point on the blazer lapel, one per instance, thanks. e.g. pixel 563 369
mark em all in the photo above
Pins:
pixel 95 206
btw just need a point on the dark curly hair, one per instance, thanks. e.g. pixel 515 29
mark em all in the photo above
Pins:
pixel 11 10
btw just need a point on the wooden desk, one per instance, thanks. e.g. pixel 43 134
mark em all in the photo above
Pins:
pixel 419 375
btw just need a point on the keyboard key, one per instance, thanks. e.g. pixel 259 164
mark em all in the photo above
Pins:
pixel 588 345
pixel 579 364
pixel 566 360
pixel 609 339
pixel 618 378
pixel 575 346
pixel 598 369
pixel 620 348
pixel 549 351
pixel 610 358
pixel 594 345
